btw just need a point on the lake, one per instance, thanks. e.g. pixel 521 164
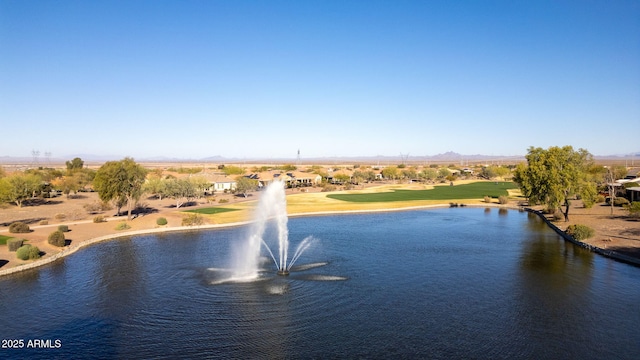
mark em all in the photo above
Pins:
pixel 439 284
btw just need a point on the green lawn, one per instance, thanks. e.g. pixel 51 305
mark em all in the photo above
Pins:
pixel 477 190
pixel 211 210
pixel 3 239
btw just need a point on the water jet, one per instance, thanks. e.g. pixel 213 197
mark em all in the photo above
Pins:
pixel 283 272
pixel 269 227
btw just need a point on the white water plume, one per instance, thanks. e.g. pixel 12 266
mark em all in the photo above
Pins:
pixel 270 219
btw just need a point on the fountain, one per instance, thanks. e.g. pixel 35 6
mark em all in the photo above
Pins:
pixel 271 212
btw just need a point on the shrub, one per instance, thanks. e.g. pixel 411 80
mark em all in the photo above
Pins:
pixel 19 227
pixel 63 228
pixel 192 219
pixel 580 232
pixel 557 215
pixel 588 202
pixel 14 244
pixel 56 238
pixel 600 199
pixel 34 253
pixel 620 201
pixel 23 252
pixel 161 221
pixel 99 219
pixel 326 187
pixel 28 252
pixel 223 201
pixel 92 208
pixel 503 199
pixel 44 222
pixel 634 209
pixel 123 226
pixel 60 216
pixel 487 199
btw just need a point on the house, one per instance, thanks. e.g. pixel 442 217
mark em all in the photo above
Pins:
pixel 339 176
pixel 291 178
pixel 629 178
pixel 299 178
pixel 633 193
pixel 219 183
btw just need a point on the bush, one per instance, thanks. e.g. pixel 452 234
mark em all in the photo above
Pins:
pixel 23 252
pixel 558 215
pixel 600 199
pixel 487 199
pixel 34 253
pixel 620 201
pixel 192 220
pixel 99 219
pixel 19 227
pixel 326 187
pixel 503 199
pixel 63 228
pixel 580 232
pixel 588 202
pixel 123 226
pixel 44 222
pixel 634 209
pixel 14 244
pixel 56 238
pixel 161 221
pixel 60 216
pixel 28 252
pixel 97 206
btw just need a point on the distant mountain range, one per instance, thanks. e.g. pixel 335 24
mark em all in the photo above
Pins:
pixel 449 156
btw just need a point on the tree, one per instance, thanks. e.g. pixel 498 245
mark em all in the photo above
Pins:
pixel 121 181
pixel 619 172
pixel 67 184
pixel 155 186
pixel 342 178
pixel 244 185
pixel 19 187
pixel 428 174
pixel 233 170
pixel 288 167
pixel 554 176
pixel 390 172
pixel 410 173
pixel 443 172
pixel 200 184
pixel 182 190
pixel 75 164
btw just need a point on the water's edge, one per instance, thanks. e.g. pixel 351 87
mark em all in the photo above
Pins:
pixel 73 248
pixel 604 252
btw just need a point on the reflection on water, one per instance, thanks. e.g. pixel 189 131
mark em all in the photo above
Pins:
pixel 447 283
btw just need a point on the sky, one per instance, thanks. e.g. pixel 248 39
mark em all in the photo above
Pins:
pixel 264 79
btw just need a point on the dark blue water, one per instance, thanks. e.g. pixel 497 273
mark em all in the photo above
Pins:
pixel 446 283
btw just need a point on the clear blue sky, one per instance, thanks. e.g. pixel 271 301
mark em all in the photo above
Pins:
pixel 261 79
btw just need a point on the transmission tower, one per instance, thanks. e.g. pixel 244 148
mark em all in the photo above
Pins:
pixel 298 158
pixel 36 156
pixel 404 157
pixel 47 156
